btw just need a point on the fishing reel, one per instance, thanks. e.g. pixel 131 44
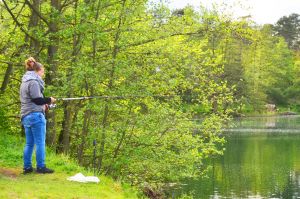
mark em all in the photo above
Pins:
pixel 52 106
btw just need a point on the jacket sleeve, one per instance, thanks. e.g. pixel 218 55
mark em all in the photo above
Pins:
pixel 36 94
pixel 41 101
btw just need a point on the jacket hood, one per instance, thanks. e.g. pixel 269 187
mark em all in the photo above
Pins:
pixel 31 75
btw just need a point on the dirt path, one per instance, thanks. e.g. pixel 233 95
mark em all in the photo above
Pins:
pixel 12 173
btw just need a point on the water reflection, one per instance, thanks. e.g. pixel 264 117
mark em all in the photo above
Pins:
pixel 275 122
pixel 260 165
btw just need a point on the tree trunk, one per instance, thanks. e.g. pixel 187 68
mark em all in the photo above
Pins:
pixel 64 137
pixel 34 22
pixel 84 134
pixel 117 149
pixel 51 73
pixel 110 86
pixel 8 73
pixel 65 134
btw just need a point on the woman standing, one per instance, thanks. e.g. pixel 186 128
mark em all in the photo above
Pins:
pixel 33 106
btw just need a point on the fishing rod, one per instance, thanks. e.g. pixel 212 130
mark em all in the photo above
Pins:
pixel 113 97
pixel 116 97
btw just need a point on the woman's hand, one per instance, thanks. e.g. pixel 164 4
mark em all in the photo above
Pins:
pixel 53 100
pixel 46 107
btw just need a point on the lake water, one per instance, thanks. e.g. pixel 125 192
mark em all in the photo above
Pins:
pixel 262 160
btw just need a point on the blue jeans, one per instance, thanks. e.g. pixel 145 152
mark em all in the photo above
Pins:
pixel 35 131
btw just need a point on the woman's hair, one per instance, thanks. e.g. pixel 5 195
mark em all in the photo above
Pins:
pixel 37 66
pixel 32 65
pixel 28 63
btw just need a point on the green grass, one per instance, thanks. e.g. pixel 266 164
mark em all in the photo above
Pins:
pixel 13 184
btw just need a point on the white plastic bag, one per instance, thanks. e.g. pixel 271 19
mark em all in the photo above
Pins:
pixel 79 177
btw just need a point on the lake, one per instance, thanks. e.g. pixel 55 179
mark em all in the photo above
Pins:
pixel 262 160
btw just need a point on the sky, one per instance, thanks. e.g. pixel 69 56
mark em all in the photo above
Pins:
pixel 262 11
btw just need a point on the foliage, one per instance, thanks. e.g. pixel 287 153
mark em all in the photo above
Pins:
pixel 163 71
pixel 289 28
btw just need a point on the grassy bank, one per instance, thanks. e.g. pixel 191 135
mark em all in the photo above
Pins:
pixel 13 184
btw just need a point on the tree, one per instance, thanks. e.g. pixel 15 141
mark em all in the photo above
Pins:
pixel 289 28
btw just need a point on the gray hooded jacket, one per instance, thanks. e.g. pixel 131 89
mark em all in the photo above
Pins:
pixel 32 87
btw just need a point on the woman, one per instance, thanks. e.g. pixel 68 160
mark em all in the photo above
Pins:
pixel 33 106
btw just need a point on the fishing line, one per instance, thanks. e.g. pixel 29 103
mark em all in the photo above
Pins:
pixel 113 97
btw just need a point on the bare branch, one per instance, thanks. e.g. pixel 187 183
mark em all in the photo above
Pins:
pixel 19 13
pixel 66 3
pixel 17 22
pixel 159 38
pixel 9 62
pixel 36 12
